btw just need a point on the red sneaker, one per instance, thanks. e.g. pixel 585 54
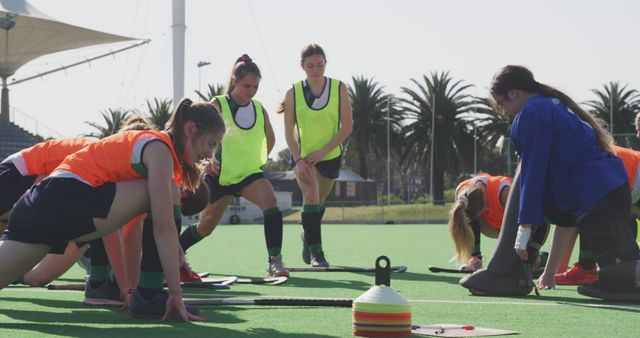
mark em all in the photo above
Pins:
pixel 577 275
pixel 189 276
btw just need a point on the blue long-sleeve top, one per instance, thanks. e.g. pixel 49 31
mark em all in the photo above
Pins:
pixel 560 159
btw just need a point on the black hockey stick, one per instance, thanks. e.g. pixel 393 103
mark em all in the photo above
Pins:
pixel 400 268
pixel 339 302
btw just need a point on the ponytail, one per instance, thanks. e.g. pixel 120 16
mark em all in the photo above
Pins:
pixel 461 232
pixel 604 138
pixel 469 205
pixel 280 107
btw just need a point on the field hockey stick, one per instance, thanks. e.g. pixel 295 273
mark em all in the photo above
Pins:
pixel 337 302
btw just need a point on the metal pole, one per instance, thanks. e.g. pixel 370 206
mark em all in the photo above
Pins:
pixel 475 149
pixel 433 130
pixel 388 155
pixel 178 27
pixel 611 113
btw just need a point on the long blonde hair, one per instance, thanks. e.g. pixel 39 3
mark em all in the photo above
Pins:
pixel 468 205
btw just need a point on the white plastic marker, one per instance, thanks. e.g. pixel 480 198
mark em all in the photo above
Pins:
pixel 442 328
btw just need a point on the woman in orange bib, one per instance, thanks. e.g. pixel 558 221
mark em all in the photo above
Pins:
pixel 103 186
pixel 478 209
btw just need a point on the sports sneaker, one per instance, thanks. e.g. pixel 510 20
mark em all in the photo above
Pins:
pixel 474 263
pixel 189 276
pixel 577 275
pixel 306 254
pixel 318 260
pixel 107 294
pixel 153 308
pixel 276 267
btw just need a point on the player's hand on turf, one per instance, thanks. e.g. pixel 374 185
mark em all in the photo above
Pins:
pixel 213 167
pixel 546 281
pixel 176 310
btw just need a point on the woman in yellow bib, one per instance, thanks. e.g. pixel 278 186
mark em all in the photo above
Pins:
pixel 319 110
pixel 240 158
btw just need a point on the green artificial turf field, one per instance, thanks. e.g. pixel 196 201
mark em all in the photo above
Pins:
pixel 239 250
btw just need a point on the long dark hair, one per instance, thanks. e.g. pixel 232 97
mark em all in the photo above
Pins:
pixel 206 119
pixel 518 77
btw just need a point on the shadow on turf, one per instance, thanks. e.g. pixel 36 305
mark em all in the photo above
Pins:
pixel 166 330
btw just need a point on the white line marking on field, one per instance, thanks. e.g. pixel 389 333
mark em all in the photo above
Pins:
pixel 632 307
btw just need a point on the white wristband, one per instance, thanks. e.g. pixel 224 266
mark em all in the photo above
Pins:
pixel 522 238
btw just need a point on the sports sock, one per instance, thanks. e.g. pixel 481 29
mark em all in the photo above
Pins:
pixel 475 227
pixel 190 237
pixel 100 267
pixel 311 222
pixel 585 258
pixel 273 230
pixel 151 275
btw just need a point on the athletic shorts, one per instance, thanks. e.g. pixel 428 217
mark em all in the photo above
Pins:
pixel 217 191
pixel 12 185
pixel 328 169
pixel 57 210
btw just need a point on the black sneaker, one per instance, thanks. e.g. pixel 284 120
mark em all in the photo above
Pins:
pixel 318 260
pixel 153 308
pixel 107 294
pixel 306 254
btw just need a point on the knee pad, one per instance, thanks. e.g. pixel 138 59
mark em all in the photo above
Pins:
pixel 486 283
pixel 621 277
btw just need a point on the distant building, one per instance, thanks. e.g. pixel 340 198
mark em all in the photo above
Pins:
pixel 349 188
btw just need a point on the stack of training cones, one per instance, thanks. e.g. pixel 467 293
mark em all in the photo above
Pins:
pixel 381 311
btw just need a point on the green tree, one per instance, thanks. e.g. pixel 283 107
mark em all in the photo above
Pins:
pixel 453 143
pixel 369 136
pixel 159 112
pixel 492 136
pixel 623 103
pixel 113 119
pixel 281 163
pixel 213 90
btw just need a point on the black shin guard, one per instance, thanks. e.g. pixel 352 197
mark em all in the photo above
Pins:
pixel 150 262
pixel 475 227
pixel 98 255
pixel 273 231
pixel 312 227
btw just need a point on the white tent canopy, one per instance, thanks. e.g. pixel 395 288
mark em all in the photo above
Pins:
pixel 26 33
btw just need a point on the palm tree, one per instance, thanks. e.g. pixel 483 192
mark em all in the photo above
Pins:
pixel 370 105
pixel 113 119
pixel 452 147
pixel 214 90
pixel 159 112
pixel 492 132
pixel 620 102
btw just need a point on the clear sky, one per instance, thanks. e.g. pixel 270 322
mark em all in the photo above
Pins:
pixel 574 45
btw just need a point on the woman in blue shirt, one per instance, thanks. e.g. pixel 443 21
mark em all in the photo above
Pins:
pixel 567 167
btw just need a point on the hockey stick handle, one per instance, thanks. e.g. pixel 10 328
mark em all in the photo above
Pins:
pixel 275 302
pixel 72 287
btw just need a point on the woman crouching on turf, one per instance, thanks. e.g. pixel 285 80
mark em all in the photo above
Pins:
pixel 478 209
pixel 567 163
pixel 239 162
pixel 103 186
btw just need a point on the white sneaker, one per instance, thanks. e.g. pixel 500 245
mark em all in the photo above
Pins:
pixel 276 267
